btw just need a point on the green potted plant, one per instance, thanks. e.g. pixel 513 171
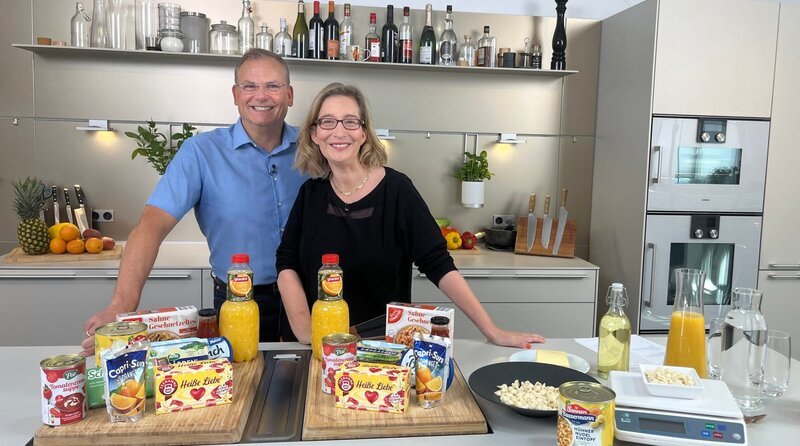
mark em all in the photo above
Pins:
pixel 155 146
pixel 473 170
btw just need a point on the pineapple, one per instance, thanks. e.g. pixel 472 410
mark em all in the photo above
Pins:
pixel 32 232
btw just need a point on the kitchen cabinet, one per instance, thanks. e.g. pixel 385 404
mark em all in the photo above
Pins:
pixel 50 306
pixel 553 303
pixel 207 285
pixel 781 303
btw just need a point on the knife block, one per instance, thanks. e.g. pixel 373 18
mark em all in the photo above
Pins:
pixel 567 248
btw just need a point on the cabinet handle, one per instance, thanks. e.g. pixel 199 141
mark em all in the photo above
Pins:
pixel 784 276
pixel 518 275
pixel 655 179
pixel 94 276
pixel 36 276
pixel 784 265
pixel 170 276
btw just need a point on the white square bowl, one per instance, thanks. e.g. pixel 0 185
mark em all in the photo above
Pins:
pixel 673 390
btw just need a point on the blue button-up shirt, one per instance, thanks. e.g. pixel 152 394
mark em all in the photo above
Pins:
pixel 241 194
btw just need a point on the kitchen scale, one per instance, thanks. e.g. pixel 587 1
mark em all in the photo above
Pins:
pixel 713 418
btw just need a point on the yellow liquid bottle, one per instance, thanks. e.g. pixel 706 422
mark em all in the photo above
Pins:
pixel 239 316
pixel 614 348
pixel 686 341
pixel 330 313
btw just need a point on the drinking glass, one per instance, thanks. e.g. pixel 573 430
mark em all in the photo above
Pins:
pixel 714 348
pixel 777 363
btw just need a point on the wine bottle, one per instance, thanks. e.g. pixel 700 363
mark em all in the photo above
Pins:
pixel 372 41
pixel 282 46
pixel 405 39
pixel 300 33
pixel 331 35
pixel 389 37
pixel 346 34
pixel 449 41
pixel 316 35
pixel 247 29
pixel 427 41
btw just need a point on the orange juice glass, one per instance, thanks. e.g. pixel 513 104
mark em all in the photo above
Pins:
pixel 686 343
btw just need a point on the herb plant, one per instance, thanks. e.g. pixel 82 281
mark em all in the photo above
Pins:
pixel 155 146
pixel 474 168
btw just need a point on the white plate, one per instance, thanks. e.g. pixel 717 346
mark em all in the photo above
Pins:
pixel 575 362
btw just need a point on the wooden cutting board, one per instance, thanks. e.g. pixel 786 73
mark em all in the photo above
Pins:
pixel 459 414
pixel 567 248
pixel 18 256
pixel 465 252
pixel 210 425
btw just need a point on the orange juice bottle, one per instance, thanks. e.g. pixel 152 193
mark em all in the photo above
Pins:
pixel 686 342
pixel 330 314
pixel 238 316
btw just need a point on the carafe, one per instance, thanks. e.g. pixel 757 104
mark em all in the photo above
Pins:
pixel 686 342
pixel 744 337
pixel 99 35
pixel 115 23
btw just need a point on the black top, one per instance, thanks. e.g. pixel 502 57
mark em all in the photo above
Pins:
pixel 377 239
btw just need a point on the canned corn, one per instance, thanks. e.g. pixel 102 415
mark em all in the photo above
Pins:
pixel 116 335
pixel 585 414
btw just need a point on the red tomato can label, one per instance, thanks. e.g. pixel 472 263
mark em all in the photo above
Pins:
pixel 337 349
pixel 63 391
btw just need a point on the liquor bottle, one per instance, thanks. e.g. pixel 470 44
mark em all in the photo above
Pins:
pixel 614 348
pixel 389 37
pixel 264 39
pixel 246 28
pixel 346 34
pixel 487 49
pixel 300 33
pixel 405 39
pixel 330 313
pixel 316 35
pixel 427 41
pixel 466 53
pixel 283 41
pixel 372 41
pixel 331 35
pixel 238 316
pixel 449 41
pixel 536 57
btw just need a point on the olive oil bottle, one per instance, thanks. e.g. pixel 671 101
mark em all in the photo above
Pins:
pixel 614 349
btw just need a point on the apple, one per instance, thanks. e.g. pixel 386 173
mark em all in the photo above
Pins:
pixel 108 243
pixel 91 233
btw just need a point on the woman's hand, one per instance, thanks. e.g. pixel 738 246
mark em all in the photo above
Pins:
pixel 514 338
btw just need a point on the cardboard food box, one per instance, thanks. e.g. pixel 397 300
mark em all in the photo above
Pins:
pixel 373 387
pixel 405 319
pixel 165 323
pixel 192 385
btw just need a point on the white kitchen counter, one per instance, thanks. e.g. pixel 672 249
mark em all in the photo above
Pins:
pixel 20 387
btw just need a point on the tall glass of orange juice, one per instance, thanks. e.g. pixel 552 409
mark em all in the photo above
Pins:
pixel 686 342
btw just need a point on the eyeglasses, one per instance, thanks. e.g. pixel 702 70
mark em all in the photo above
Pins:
pixel 347 123
pixel 251 88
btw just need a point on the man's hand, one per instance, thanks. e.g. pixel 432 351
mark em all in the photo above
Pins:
pixel 103 317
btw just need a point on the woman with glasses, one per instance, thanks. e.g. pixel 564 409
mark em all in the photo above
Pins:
pixel 368 214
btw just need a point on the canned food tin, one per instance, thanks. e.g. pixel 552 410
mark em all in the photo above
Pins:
pixel 585 414
pixel 63 389
pixel 337 349
pixel 115 335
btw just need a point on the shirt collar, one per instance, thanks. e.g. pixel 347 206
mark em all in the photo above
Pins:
pixel 242 139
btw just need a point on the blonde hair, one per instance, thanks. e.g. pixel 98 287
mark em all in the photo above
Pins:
pixel 309 159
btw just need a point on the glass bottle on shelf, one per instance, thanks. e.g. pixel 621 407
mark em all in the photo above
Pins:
pixel 405 39
pixel 246 28
pixel 427 41
pixel 146 22
pixel 239 316
pixel 99 35
pixel 686 341
pixel 389 37
pixel 80 27
pixel 282 46
pixel 346 34
pixel 264 39
pixel 300 33
pixel 614 347
pixel 115 21
pixel 449 41
pixel 372 41
pixel 329 314
pixel 316 35
pixel 331 35
pixel 466 53
pixel 536 57
pixel 487 49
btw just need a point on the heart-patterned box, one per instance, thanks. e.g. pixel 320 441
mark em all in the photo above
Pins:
pixel 191 385
pixel 373 387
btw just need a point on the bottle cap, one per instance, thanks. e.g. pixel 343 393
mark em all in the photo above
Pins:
pixel 207 312
pixel 330 258
pixel 240 258
pixel 617 286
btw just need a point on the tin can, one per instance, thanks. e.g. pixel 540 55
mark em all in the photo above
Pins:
pixel 585 414
pixel 116 335
pixel 337 349
pixel 63 389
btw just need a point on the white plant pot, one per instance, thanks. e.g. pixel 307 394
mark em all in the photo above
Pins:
pixel 472 194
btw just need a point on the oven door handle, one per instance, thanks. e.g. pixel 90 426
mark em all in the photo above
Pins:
pixel 655 179
pixel 649 301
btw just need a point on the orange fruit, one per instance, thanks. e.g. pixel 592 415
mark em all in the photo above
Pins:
pixel 424 375
pixel 69 233
pixel 75 247
pixel 434 385
pixel 241 286
pixel 58 246
pixel 123 403
pixel 94 245
pixel 332 285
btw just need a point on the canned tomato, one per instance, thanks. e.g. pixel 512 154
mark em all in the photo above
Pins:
pixel 63 389
pixel 337 349
pixel 116 335
pixel 585 414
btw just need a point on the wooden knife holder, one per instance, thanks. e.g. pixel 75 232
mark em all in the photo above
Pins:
pixel 567 248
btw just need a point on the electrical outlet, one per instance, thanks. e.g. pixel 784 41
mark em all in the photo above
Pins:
pixel 103 215
pixel 502 221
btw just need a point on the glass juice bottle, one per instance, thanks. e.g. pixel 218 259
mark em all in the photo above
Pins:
pixel 686 342
pixel 330 313
pixel 238 316
pixel 614 349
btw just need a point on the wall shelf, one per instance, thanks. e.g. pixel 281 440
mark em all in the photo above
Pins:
pixel 219 59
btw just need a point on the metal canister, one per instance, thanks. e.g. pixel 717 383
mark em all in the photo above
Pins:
pixel 115 335
pixel 63 389
pixel 337 349
pixel 585 414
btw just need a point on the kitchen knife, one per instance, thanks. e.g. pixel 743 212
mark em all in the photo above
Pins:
pixel 548 222
pixel 81 202
pixel 562 221
pixel 56 216
pixel 531 222
pixel 69 207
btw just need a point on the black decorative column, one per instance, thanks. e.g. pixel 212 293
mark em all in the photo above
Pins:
pixel 559 60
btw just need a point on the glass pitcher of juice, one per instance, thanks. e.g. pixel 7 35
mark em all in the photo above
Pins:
pixel 238 316
pixel 686 342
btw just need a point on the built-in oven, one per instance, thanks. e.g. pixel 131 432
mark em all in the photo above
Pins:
pixel 707 165
pixel 726 247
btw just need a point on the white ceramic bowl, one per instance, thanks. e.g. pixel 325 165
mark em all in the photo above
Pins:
pixel 673 390
pixel 575 362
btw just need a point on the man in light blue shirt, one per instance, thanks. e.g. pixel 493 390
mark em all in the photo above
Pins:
pixel 241 183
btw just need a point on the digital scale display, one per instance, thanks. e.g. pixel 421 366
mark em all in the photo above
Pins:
pixel 647 427
pixel 650 424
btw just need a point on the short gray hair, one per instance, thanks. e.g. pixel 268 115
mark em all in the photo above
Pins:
pixel 257 54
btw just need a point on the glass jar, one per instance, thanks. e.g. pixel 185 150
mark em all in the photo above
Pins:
pixel 223 38
pixel 194 26
pixel 146 25
pixel 330 314
pixel 99 35
pixel 171 41
pixel 80 27
pixel 440 326
pixel 207 326
pixel 115 21
pixel 239 316
pixel 169 16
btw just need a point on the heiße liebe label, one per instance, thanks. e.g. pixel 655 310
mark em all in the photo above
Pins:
pixel 193 385
pixel 372 387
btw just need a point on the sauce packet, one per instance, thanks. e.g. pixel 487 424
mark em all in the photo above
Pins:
pixel 432 355
pixel 124 372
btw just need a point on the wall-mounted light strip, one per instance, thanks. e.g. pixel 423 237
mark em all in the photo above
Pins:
pixel 384 135
pixel 510 138
pixel 95 125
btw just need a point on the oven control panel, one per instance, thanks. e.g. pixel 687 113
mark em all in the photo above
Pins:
pixel 705 226
pixel 711 130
